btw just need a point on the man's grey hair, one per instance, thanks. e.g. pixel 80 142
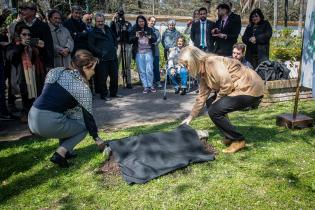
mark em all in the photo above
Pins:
pixel 173 22
pixel 76 8
pixel 99 14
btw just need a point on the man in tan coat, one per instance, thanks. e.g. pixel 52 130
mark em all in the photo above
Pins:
pixel 235 86
pixel 63 42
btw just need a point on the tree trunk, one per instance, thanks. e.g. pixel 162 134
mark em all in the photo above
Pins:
pixel 275 14
pixel 301 17
pixel 286 8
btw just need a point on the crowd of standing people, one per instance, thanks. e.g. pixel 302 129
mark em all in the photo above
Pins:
pixel 35 47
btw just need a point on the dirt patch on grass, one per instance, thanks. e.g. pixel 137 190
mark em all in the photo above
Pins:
pixel 111 167
pixel 208 147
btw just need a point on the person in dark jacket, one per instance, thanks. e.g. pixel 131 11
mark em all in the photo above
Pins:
pixel 103 44
pixel 227 29
pixel 27 70
pixel 40 33
pixel 77 29
pixel 4 113
pixel 120 27
pixel 143 38
pixel 257 38
pixel 200 33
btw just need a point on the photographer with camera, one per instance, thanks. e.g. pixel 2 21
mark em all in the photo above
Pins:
pixel 120 27
pixel 27 72
pixel 143 38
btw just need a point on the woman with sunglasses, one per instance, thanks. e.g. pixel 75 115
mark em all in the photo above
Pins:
pixel 64 109
pixel 27 69
pixel 257 38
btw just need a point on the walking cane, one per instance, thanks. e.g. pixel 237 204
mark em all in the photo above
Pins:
pixel 165 81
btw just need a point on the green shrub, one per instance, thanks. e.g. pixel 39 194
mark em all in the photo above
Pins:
pixel 285 46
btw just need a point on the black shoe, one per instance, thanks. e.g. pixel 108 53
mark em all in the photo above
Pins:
pixel 59 160
pixel 129 86
pixel 184 91
pixel 177 91
pixel 70 155
pixel 105 98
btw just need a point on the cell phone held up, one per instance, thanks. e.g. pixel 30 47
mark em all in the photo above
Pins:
pixel 142 33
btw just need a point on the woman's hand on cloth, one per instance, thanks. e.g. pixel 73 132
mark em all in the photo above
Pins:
pixel 101 144
pixel 187 120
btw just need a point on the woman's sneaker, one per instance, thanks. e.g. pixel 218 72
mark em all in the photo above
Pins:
pixel 146 90
pixel 153 90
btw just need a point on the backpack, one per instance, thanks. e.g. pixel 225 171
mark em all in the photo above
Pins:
pixel 272 70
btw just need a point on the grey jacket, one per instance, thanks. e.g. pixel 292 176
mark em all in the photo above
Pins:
pixel 61 39
pixel 158 41
pixel 169 38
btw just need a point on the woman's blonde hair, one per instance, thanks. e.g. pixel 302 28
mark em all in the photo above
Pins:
pixel 192 57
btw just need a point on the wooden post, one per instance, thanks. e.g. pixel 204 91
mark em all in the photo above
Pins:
pixel 296 120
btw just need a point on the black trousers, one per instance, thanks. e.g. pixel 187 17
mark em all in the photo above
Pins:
pixel 3 104
pixel 104 70
pixel 218 110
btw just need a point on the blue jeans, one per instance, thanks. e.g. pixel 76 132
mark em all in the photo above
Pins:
pixel 182 73
pixel 156 69
pixel 145 67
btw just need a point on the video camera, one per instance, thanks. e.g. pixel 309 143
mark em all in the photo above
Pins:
pixel 120 19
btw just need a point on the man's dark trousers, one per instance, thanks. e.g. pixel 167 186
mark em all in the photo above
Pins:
pixel 218 110
pixel 102 71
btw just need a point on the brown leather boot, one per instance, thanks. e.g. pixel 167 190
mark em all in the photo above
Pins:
pixel 227 142
pixel 235 146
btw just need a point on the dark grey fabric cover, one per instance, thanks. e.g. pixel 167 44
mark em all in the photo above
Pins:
pixel 145 157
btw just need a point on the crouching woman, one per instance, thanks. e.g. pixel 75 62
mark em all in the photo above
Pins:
pixel 236 88
pixel 64 109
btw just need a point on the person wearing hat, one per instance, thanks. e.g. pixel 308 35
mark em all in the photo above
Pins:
pixel 41 36
pixel 226 31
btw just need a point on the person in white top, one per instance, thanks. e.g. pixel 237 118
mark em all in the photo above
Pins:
pixel 176 71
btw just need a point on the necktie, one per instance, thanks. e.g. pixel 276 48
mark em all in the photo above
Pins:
pixel 222 25
pixel 203 35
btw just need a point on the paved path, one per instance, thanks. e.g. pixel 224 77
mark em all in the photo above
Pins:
pixel 134 108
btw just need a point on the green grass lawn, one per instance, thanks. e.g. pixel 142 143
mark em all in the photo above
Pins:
pixel 276 171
